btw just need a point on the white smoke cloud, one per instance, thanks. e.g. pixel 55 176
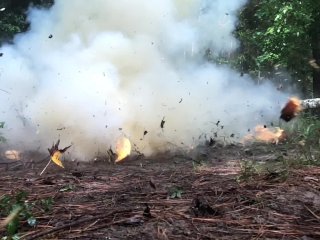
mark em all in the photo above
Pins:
pixel 115 68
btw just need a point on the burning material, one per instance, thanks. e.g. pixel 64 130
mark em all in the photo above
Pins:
pixel 56 153
pixel 291 109
pixel 123 149
pixel 294 106
pixel 13 155
pixel 267 135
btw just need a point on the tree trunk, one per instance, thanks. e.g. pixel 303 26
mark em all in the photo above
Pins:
pixel 310 103
pixel 315 45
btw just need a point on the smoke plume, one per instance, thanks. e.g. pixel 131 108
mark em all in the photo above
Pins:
pixel 89 72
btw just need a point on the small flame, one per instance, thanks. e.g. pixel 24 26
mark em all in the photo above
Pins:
pixel 13 154
pixel 291 109
pixel 123 149
pixel 264 134
pixel 268 135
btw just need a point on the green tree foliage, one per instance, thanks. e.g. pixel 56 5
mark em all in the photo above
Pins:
pixel 282 33
pixel 13 16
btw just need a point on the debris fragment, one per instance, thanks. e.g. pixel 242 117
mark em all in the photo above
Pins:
pixel 162 123
pixel 56 153
pixel 151 183
pixel 50 36
pixel 291 109
pixel 201 209
pixel 147 212
pixel 211 142
pixel 112 155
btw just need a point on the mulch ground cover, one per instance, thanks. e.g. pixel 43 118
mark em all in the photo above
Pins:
pixel 166 197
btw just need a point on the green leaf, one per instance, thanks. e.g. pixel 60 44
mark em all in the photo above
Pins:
pixel 12 226
pixel 46 204
pixel 177 193
pixel 21 196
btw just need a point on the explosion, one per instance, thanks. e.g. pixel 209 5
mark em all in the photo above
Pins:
pixel 87 74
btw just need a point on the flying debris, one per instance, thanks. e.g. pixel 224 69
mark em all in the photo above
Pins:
pixel 2 9
pixel 56 153
pixel 211 142
pixel 50 36
pixel 145 132
pixel 291 109
pixel 162 123
pixel 1 54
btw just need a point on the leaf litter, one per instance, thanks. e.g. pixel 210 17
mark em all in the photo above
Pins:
pixel 121 201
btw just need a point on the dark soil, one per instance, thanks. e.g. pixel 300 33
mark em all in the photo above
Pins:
pixel 170 197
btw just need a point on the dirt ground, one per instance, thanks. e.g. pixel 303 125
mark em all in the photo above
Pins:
pixel 170 196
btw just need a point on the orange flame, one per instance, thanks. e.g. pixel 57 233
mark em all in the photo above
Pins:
pixel 267 135
pixel 123 149
pixel 263 134
pixel 291 109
